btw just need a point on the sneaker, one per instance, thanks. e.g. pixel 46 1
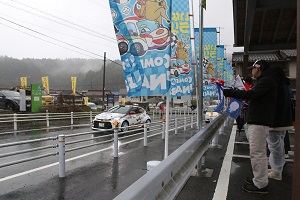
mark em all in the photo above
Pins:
pixel 286 156
pixel 274 175
pixel 251 188
pixel 248 180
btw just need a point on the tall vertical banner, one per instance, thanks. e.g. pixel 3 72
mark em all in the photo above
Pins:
pixel 36 97
pixel 181 72
pixel 23 81
pixel 210 39
pixel 209 60
pixel 219 62
pixel 73 80
pixel 142 30
pixel 45 82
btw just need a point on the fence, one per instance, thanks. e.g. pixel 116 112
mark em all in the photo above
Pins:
pixel 60 145
pixel 46 119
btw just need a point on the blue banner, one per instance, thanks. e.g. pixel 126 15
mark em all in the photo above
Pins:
pixel 209 60
pixel 220 106
pixel 143 34
pixel 181 72
pixel 234 108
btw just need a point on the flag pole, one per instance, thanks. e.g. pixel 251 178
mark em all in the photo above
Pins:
pixel 167 125
pixel 200 69
pixel 194 60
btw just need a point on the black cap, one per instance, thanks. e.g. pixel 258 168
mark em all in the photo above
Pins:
pixel 262 64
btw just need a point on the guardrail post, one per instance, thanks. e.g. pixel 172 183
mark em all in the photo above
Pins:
pixel 192 121
pixel 153 114
pixel 15 122
pixel 163 130
pixel 222 128
pixel 47 118
pixel 184 125
pixel 61 154
pixel 175 126
pixel 116 140
pixel 71 118
pixel 201 163
pixel 145 135
pixel 91 116
pixel 215 141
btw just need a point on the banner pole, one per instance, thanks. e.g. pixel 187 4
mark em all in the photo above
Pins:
pixel 167 125
pixel 200 70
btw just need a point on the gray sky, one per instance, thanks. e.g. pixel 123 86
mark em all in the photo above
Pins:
pixel 81 28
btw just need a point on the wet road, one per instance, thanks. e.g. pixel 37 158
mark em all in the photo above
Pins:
pixel 92 137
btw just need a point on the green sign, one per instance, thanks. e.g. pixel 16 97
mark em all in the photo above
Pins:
pixel 36 97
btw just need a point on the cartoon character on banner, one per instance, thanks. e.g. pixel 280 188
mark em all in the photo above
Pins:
pixel 152 10
pixel 180 61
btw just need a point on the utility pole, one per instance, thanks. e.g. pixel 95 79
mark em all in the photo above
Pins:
pixel 103 89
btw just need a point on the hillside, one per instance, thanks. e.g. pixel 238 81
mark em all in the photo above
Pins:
pixel 89 73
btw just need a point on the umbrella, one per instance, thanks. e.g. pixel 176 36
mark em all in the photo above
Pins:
pixel 159 103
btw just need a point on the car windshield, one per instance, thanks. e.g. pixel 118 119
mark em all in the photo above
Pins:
pixel 121 110
pixel 113 108
pixel 91 105
pixel 211 108
pixel 11 93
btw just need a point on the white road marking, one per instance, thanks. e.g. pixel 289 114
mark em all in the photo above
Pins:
pixel 223 180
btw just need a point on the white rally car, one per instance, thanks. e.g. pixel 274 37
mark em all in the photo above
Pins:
pixel 126 116
pixel 210 114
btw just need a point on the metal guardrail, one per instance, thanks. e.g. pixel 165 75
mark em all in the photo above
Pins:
pixel 60 144
pixel 19 118
pixel 167 178
pixel 46 118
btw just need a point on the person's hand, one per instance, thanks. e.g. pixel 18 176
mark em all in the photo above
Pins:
pixel 227 92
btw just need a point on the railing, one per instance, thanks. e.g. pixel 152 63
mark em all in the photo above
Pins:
pixel 168 177
pixel 50 119
pixel 45 119
pixel 63 144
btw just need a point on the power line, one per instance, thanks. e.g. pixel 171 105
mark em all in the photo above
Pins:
pixel 47 41
pixel 72 23
pixel 64 24
pixel 57 31
pixel 56 39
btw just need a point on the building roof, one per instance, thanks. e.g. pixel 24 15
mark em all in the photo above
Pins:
pixel 265 55
pixel 265 24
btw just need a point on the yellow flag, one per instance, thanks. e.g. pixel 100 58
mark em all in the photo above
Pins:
pixel 85 100
pixel 23 81
pixel 73 79
pixel 45 82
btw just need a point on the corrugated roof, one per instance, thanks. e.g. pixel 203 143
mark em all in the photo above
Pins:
pixel 290 52
pixel 265 55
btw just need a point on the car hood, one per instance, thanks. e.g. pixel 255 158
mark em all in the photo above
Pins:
pixel 108 115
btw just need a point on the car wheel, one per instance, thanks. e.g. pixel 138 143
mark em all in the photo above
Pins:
pixel 137 49
pixel 148 122
pixel 9 106
pixel 124 126
pixel 123 47
pixel 176 73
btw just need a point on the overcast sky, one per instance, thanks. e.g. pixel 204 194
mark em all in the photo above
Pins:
pixel 81 28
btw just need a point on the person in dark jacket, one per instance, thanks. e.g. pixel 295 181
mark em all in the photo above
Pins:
pixel 282 123
pixel 260 115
